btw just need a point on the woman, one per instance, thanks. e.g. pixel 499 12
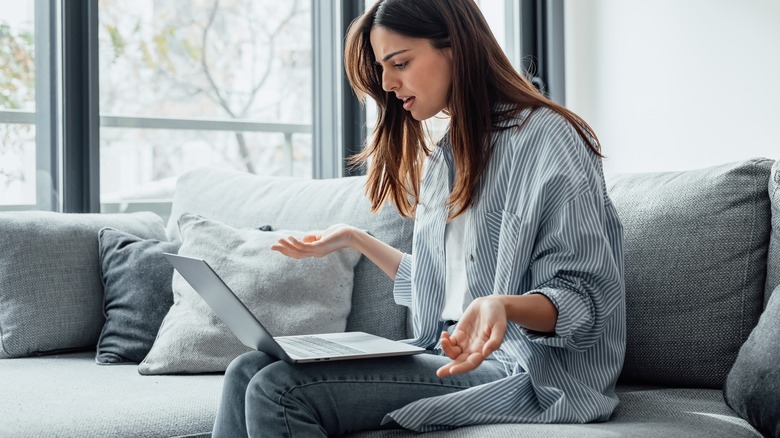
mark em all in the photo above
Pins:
pixel 516 281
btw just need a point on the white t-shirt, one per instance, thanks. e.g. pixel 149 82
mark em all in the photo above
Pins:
pixel 456 294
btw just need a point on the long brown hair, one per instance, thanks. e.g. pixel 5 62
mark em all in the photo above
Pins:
pixel 482 77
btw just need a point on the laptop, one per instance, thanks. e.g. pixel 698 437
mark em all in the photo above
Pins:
pixel 293 349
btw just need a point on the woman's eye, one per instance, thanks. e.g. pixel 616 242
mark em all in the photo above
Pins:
pixel 400 66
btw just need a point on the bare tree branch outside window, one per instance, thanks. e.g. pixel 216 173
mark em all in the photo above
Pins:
pixel 17 92
pixel 231 59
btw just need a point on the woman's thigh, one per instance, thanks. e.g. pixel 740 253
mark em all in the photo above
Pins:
pixel 332 398
pixel 231 414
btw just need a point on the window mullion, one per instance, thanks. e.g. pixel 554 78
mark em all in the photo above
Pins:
pixel 542 46
pixel 554 40
pixel 80 114
pixel 328 129
pixel 354 112
pixel 46 104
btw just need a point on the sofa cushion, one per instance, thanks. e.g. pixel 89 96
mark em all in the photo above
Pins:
pixel 245 200
pixel 69 396
pixel 644 412
pixel 695 267
pixel 288 296
pixel 118 402
pixel 137 294
pixel 773 258
pixel 51 293
pixel 753 384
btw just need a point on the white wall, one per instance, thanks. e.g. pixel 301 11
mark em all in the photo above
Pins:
pixel 676 84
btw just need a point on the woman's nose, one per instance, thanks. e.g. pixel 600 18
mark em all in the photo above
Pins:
pixel 389 81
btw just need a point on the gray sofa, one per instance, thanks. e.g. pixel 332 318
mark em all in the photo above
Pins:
pixel 702 257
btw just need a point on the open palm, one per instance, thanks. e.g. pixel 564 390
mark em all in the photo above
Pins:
pixel 316 243
pixel 478 334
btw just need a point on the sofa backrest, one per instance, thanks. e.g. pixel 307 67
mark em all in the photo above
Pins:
pixel 696 245
pixel 245 200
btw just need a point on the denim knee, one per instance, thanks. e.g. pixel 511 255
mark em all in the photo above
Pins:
pixel 247 365
pixel 274 409
pixel 271 382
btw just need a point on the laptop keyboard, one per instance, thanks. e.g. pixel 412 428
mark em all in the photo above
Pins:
pixel 311 346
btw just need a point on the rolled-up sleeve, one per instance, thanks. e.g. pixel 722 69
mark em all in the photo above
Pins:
pixel 402 289
pixel 575 267
pixel 575 315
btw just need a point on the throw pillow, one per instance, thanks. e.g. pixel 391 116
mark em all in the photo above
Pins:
pixel 288 296
pixel 51 293
pixel 695 263
pixel 753 385
pixel 137 294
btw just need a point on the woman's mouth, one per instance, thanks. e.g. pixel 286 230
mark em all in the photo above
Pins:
pixel 408 102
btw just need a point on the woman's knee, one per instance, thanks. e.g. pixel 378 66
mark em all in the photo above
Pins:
pixel 244 367
pixel 276 406
pixel 271 382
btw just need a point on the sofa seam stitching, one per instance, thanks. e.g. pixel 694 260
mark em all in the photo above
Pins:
pixel 752 241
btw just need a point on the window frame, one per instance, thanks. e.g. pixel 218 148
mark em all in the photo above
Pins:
pixel 80 107
pixel 47 101
pixel 541 42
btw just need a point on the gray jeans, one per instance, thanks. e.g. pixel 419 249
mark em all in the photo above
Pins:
pixel 264 397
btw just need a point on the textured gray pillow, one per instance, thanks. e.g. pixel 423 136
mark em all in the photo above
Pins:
pixel 695 264
pixel 753 385
pixel 51 294
pixel 245 200
pixel 773 258
pixel 288 296
pixel 137 294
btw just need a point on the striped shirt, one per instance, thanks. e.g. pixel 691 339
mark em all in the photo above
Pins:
pixel 541 223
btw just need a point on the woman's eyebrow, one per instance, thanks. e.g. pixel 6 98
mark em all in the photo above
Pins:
pixel 390 55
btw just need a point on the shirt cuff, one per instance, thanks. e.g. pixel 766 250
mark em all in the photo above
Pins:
pixel 575 315
pixel 402 289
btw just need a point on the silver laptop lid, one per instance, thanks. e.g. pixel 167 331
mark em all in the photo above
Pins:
pixel 228 307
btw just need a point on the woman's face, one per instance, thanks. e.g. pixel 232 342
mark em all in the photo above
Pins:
pixel 418 73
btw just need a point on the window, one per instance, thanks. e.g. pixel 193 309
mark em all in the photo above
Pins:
pixel 17 107
pixel 190 84
pixel 104 103
pixel 182 85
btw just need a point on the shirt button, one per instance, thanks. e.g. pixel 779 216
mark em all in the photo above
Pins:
pixel 471 257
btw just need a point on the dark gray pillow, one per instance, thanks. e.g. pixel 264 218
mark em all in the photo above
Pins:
pixel 137 294
pixel 753 385
pixel 695 266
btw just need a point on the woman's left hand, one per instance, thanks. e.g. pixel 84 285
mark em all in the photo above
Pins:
pixel 478 334
pixel 317 243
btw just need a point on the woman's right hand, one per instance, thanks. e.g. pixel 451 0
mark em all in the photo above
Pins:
pixel 316 243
